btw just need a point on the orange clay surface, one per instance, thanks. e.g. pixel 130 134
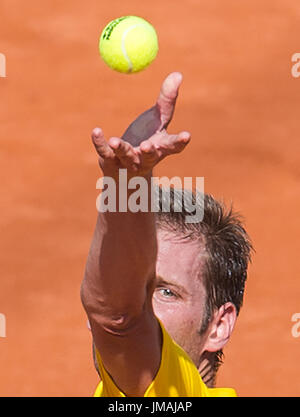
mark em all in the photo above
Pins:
pixel 241 104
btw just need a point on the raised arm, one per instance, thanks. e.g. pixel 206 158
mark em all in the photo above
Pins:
pixel 120 271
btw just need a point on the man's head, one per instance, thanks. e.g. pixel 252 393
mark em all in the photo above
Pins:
pixel 201 275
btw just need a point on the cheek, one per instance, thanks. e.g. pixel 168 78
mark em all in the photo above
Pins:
pixel 169 314
pixel 178 320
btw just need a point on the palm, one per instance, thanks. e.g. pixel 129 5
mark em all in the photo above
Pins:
pixel 146 141
pixel 157 117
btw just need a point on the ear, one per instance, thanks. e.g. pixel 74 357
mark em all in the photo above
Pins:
pixel 221 327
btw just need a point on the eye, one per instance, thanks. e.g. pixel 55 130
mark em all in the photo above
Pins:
pixel 166 293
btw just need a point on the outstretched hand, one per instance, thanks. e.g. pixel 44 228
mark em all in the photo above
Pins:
pixel 157 117
pixel 146 141
pixel 140 160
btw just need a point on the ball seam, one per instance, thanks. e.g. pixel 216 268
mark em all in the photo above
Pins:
pixel 130 65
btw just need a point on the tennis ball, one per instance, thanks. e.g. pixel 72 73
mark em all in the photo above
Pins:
pixel 128 44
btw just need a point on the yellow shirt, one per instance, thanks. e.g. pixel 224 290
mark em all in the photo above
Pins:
pixel 177 376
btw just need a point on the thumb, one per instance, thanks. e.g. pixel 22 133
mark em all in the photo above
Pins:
pixel 167 97
pixel 101 146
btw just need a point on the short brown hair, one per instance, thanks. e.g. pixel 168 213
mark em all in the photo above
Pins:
pixel 226 242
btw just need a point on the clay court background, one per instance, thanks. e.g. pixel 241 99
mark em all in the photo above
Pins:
pixel 241 104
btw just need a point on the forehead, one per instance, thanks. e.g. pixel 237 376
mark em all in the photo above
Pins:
pixel 180 260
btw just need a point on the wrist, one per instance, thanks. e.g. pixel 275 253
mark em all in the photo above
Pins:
pixel 123 175
pixel 125 193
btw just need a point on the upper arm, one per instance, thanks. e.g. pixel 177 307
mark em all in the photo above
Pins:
pixel 117 294
pixel 129 346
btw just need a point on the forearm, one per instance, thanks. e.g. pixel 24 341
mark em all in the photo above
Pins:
pixel 143 127
pixel 120 268
pixel 122 257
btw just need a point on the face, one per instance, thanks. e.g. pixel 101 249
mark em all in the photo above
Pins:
pixel 179 297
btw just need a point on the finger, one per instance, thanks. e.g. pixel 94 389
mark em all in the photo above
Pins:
pixel 170 144
pixel 164 140
pixel 149 153
pixel 181 141
pixel 176 143
pixel 124 152
pixel 167 97
pixel 100 144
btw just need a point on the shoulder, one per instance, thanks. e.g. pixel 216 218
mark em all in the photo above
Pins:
pixel 177 376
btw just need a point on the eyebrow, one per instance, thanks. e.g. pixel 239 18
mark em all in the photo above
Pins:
pixel 162 281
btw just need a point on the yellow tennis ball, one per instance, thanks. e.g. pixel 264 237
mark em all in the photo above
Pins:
pixel 128 44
